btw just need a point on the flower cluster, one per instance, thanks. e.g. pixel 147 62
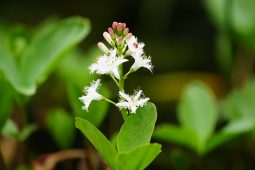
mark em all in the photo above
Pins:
pixel 122 45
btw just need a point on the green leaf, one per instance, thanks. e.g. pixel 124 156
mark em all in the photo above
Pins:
pixel 100 142
pixel 75 67
pixel 138 158
pixel 8 67
pixel 10 129
pixel 173 134
pixel 217 10
pixel 240 103
pixel 97 110
pixel 197 110
pixel 46 50
pixel 243 15
pixel 61 127
pixel 6 102
pixel 27 131
pixel 230 131
pixel 138 128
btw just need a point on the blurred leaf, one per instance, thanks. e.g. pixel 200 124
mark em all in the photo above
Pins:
pixel 61 127
pixel 97 110
pixel 217 10
pixel 46 50
pixel 240 103
pixel 243 15
pixel 235 16
pixel 224 53
pixel 138 158
pixel 137 129
pixel 6 102
pixel 100 142
pixel 9 67
pixel 17 39
pixel 233 129
pixel 75 67
pixel 197 111
pixel 27 131
pixel 10 129
pixel 173 134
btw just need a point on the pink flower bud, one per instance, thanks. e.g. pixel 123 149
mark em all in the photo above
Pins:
pixel 126 30
pixel 124 25
pixel 114 25
pixel 111 32
pixel 119 27
pixel 103 48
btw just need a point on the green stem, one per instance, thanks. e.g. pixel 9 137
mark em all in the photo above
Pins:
pixel 129 72
pixel 108 100
pixel 121 88
pixel 114 79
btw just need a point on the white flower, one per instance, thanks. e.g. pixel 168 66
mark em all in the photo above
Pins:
pixel 141 61
pixel 134 48
pixel 91 94
pixel 108 64
pixel 131 102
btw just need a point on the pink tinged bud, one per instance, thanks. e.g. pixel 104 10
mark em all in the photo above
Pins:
pixel 103 48
pixel 114 25
pixel 120 40
pixel 124 25
pixel 129 35
pixel 111 32
pixel 107 37
pixel 126 30
pixel 119 27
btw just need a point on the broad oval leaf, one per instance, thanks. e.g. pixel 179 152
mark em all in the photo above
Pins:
pixel 100 142
pixel 137 129
pixel 197 110
pixel 138 158
pixel 47 48
pixel 178 135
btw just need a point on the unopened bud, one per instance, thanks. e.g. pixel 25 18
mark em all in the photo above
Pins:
pixel 123 25
pixel 111 32
pixel 120 40
pixel 114 25
pixel 107 37
pixel 103 48
pixel 119 27
pixel 129 35
pixel 126 30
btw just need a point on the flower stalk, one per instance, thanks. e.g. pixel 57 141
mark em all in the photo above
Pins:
pixel 121 46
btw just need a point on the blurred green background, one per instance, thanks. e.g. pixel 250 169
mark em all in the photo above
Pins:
pixel 212 41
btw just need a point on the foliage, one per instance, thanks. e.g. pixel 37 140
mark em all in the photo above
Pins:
pixel 197 114
pixel 134 150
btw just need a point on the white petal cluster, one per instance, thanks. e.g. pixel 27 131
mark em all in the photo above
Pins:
pixel 141 61
pixel 91 94
pixel 131 102
pixel 135 49
pixel 108 64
